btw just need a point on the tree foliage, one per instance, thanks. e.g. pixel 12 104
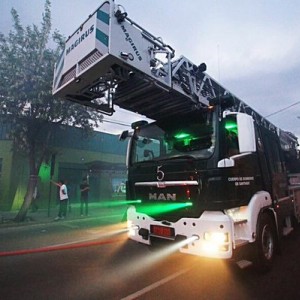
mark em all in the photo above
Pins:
pixel 26 101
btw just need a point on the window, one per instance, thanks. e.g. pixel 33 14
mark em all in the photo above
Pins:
pixel 185 135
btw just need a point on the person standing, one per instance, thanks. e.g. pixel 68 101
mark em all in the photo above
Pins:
pixel 84 196
pixel 63 199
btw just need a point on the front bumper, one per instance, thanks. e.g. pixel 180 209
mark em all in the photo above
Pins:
pixel 210 235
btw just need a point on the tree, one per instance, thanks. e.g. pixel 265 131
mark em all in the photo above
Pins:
pixel 26 101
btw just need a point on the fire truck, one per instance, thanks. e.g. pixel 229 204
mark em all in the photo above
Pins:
pixel 205 170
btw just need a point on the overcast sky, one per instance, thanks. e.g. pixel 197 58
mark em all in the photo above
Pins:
pixel 251 47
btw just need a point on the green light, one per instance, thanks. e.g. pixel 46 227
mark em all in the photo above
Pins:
pixel 114 203
pixel 44 172
pixel 182 135
pixel 133 201
pixel 230 126
pixel 159 208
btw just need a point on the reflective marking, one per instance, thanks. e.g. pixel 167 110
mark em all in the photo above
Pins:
pixel 103 16
pixel 60 67
pixel 102 37
pixel 154 285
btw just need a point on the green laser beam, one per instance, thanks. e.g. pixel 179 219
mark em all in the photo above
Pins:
pixel 154 209
pixel 118 203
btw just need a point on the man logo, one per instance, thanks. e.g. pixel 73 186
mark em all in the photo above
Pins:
pixel 161 196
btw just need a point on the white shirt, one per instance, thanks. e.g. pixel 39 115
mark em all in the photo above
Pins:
pixel 63 192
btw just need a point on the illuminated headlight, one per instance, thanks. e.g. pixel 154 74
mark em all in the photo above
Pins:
pixel 216 242
pixel 218 238
pixel 132 229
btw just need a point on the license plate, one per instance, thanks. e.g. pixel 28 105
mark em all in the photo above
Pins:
pixel 162 231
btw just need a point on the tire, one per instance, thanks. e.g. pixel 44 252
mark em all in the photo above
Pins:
pixel 265 244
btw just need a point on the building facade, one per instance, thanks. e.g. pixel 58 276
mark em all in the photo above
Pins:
pixel 100 158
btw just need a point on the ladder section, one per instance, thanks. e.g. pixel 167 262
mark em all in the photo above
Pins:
pixel 110 60
pixel 189 91
pixel 105 51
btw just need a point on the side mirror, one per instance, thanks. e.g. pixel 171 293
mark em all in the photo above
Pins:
pixel 246 133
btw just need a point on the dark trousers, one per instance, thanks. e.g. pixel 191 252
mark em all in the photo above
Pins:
pixel 63 208
pixel 84 202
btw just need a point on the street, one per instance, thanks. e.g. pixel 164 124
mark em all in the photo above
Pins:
pixel 93 259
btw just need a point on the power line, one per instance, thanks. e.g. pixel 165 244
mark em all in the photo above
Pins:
pixel 281 110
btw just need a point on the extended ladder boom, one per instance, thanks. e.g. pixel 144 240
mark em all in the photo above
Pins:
pixel 110 60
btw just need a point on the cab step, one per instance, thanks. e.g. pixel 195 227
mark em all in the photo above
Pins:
pixel 240 242
pixel 287 230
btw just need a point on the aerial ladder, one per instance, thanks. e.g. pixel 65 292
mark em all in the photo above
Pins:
pixel 111 60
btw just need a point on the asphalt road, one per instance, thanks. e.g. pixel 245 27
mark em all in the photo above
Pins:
pixel 89 260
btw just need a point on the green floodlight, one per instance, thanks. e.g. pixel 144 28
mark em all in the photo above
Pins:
pixel 182 135
pixel 133 201
pixel 159 208
pixel 113 203
pixel 231 126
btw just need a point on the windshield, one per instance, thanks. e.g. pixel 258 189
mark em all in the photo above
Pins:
pixel 192 135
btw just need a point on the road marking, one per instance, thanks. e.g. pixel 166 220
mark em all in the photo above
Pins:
pixel 155 285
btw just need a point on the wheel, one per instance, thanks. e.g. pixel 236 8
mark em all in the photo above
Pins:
pixel 265 243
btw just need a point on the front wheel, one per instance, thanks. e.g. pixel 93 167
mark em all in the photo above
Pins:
pixel 265 243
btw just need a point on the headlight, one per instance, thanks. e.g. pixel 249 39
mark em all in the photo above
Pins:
pixel 216 237
pixel 216 242
pixel 132 229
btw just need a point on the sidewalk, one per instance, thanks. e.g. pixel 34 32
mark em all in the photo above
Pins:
pixel 43 216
